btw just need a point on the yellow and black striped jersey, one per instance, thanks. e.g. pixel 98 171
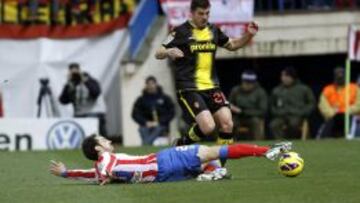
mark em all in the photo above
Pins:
pixel 196 70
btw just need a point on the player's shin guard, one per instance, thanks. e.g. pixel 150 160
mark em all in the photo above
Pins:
pixel 238 151
pixel 194 135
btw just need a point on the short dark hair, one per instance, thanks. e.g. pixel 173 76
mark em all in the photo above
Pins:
pixel 74 65
pixel 199 4
pixel 88 147
pixel 290 71
pixel 339 70
pixel 150 78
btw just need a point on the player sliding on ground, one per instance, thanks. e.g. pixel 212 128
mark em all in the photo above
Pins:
pixel 171 164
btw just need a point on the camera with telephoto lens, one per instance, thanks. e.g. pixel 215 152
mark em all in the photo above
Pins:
pixel 76 78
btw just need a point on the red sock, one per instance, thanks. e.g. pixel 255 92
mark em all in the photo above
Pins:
pixel 237 151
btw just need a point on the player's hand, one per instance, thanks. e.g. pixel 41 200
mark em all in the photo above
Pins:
pixel 57 168
pixel 252 28
pixel 106 179
pixel 174 53
pixel 151 124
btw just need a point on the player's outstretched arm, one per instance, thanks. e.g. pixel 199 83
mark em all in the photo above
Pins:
pixel 172 53
pixel 59 169
pixel 237 43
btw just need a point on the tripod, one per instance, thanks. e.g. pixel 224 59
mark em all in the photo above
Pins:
pixel 46 100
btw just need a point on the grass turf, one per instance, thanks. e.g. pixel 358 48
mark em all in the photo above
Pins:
pixel 332 174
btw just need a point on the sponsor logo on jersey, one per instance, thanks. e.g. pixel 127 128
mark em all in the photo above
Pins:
pixel 203 47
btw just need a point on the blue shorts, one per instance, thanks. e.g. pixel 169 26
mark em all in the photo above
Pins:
pixel 178 163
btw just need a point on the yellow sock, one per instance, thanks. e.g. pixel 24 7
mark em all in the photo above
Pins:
pixel 221 141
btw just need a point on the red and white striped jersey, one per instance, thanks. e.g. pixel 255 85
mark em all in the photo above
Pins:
pixel 122 167
pixel 82 174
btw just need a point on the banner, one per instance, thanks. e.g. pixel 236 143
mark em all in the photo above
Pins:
pixel 26 64
pixel 231 16
pixel 21 19
pixel 354 43
pixel 45 134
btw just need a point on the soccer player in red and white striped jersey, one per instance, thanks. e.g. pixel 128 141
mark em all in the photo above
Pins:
pixel 172 164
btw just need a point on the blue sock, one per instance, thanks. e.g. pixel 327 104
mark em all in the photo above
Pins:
pixel 223 153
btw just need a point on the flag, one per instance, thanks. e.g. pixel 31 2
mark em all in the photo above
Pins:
pixel 354 43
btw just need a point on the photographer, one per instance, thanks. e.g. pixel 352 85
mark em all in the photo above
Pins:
pixel 84 93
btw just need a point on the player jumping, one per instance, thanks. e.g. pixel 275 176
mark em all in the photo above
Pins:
pixel 171 164
pixel 192 47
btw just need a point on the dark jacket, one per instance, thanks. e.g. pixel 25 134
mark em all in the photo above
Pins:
pixel 149 107
pixel 85 96
pixel 68 94
pixel 295 100
pixel 252 103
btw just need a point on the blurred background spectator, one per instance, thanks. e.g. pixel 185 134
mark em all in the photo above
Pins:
pixel 153 111
pixel 341 4
pixel 333 107
pixel 84 93
pixel 320 4
pixel 248 102
pixel 291 103
pixel 291 5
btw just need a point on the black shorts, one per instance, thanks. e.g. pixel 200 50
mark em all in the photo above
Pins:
pixel 192 102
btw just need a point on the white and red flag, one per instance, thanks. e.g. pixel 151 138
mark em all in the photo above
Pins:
pixel 354 43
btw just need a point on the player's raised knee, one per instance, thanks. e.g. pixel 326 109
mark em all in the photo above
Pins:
pixel 208 128
pixel 227 126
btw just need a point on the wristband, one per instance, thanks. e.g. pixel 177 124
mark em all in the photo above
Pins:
pixel 63 174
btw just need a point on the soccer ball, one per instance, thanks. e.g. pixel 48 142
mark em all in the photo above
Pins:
pixel 291 164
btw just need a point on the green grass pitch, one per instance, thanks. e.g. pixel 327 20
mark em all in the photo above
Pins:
pixel 332 174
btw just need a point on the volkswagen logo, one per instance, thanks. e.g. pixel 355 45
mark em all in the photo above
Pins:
pixel 65 135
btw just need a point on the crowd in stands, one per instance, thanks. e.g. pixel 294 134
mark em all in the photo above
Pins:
pixel 63 12
pixel 282 5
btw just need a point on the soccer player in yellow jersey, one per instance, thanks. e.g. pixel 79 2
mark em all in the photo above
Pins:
pixel 192 47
